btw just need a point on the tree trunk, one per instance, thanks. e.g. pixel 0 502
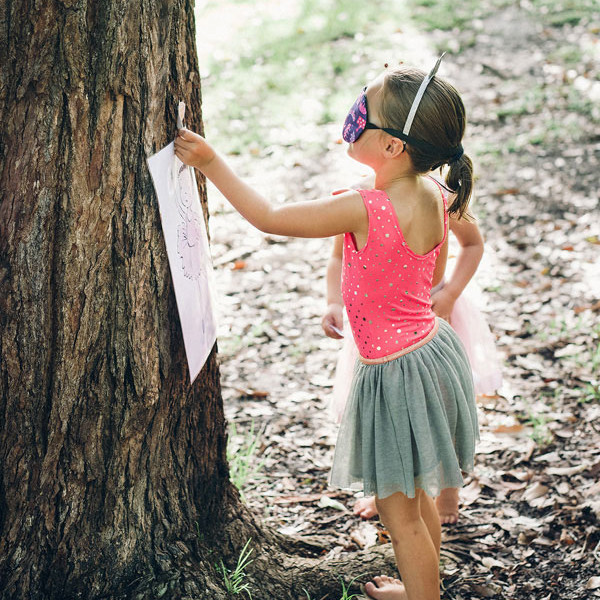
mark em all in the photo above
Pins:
pixel 113 472
pixel 109 456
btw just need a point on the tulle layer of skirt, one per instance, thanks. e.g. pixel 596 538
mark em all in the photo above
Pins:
pixel 472 329
pixel 409 423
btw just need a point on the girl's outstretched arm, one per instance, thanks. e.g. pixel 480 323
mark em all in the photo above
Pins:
pixel 335 302
pixel 320 218
pixel 471 250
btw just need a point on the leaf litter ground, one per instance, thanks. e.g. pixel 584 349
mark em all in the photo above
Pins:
pixel 528 525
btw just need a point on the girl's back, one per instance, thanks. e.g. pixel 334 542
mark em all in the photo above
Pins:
pixel 420 213
pixel 387 281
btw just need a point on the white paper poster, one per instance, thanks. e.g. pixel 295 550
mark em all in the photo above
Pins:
pixel 188 252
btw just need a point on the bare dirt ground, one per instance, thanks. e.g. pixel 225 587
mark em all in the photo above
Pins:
pixel 529 519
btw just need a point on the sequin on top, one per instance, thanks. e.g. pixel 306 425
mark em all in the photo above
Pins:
pixel 385 285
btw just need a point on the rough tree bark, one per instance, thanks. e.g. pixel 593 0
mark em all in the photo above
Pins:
pixel 113 473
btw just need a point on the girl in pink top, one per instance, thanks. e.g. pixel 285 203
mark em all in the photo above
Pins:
pixel 410 424
pixel 449 303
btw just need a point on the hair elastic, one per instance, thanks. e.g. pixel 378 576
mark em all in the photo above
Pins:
pixel 457 155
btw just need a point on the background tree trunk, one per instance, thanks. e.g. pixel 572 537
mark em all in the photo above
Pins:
pixel 113 472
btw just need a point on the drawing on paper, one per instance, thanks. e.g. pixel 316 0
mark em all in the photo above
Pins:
pixel 189 230
pixel 188 252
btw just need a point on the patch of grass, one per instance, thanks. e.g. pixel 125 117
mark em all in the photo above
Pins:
pixel 541 433
pixel 531 102
pixel 558 13
pixel 548 131
pixel 577 102
pixel 448 14
pixel 294 71
pixel 589 393
pixel 241 455
pixel 230 346
pixel 487 152
pixel 234 580
pixel 346 595
pixel 595 359
pixel 568 54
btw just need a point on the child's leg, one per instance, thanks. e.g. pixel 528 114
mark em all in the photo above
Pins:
pixel 408 521
pixel 431 517
pixel 365 507
pixel 447 506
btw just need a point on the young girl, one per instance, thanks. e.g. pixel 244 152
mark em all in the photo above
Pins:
pixel 410 424
pixel 448 303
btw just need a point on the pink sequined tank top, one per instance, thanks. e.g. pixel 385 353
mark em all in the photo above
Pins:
pixel 385 285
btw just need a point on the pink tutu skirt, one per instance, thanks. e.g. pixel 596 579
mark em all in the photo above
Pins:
pixel 473 331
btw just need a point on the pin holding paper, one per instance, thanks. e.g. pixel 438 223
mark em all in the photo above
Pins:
pixel 180 115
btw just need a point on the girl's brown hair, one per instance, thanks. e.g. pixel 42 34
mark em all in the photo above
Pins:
pixel 439 121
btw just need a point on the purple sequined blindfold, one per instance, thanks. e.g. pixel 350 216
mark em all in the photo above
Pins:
pixel 357 120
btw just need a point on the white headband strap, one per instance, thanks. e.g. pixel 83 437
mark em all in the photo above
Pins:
pixel 419 96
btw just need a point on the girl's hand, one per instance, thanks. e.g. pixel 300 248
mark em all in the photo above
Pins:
pixel 442 303
pixel 333 316
pixel 193 150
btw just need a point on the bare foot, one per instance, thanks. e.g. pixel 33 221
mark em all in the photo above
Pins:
pixel 447 506
pixel 365 507
pixel 386 588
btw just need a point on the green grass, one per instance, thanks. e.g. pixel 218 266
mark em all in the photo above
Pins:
pixel 235 583
pixel 569 55
pixel 447 15
pixel 531 102
pixel 241 455
pixel 296 70
pixel 558 13
pixel 589 393
pixel 541 433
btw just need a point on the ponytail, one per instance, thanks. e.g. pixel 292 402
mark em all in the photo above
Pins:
pixel 460 180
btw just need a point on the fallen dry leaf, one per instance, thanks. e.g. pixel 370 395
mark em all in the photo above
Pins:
pixel 249 393
pixel 489 562
pixel 593 583
pixel 470 493
pixel 537 490
pixel 365 535
pixel 516 428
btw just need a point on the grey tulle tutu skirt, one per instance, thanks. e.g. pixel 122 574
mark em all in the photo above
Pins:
pixel 409 423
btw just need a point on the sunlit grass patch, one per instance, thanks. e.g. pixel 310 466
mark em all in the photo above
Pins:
pixel 558 13
pixel 532 101
pixel 448 14
pixel 285 75
pixel 242 451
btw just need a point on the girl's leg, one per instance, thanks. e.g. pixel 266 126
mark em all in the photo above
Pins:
pixel 408 521
pixel 447 506
pixel 432 520
pixel 365 507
